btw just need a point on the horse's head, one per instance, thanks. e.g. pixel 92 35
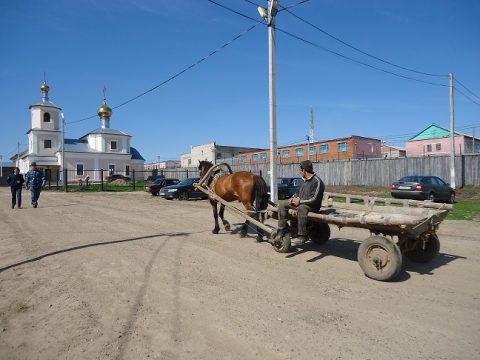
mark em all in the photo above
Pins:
pixel 203 167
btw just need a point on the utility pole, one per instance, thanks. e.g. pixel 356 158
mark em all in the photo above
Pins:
pixel 269 16
pixel 473 141
pixel 1 166
pixel 64 172
pixel 452 134
pixel 310 135
pixel 18 153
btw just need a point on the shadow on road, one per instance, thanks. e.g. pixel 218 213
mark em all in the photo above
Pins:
pixel 57 252
pixel 347 249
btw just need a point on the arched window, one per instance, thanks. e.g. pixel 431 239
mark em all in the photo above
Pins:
pixel 46 117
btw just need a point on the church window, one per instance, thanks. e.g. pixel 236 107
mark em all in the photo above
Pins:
pixel 127 170
pixel 46 117
pixel 47 144
pixel 111 169
pixel 113 145
pixel 79 169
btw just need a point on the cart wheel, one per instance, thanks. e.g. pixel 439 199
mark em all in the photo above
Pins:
pixel 282 245
pixel 318 232
pixel 432 247
pixel 380 258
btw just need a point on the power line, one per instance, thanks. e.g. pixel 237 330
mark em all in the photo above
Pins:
pixel 361 51
pixel 198 62
pixel 332 51
pixel 357 61
pixel 471 92
pixel 468 97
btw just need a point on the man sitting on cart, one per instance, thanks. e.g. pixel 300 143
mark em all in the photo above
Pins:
pixel 308 198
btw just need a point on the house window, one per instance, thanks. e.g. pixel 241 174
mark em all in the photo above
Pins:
pixel 113 145
pixel 79 169
pixel 189 162
pixel 342 146
pixel 299 152
pixel 127 170
pixel 370 146
pixel 46 117
pixel 311 150
pixel 243 158
pixel 255 157
pixel 286 153
pixel 263 156
pixel 429 148
pixel 324 149
pixel 438 147
pixel 111 169
pixel 47 144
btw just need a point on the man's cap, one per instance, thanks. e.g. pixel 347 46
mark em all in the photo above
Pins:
pixel 307 166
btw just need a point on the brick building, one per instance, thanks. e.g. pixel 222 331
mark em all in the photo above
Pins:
pixel 353 147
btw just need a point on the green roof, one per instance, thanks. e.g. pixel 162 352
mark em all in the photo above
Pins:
pixel 433 132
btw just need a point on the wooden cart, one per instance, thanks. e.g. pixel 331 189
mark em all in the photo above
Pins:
pixel 396 227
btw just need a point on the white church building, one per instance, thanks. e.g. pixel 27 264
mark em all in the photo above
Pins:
pixel 104 148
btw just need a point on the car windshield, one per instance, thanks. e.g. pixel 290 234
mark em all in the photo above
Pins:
pixel 282 181
pixel 188 181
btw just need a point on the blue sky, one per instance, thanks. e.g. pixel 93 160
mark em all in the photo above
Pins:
pixel 131 46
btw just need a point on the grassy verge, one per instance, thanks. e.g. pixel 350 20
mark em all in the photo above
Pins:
pixel 466 207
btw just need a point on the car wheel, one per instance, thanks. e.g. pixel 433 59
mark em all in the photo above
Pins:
pixel 451 199
pixel 431 197
pixel 183 195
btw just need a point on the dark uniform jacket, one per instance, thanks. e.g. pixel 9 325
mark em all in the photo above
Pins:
pixel 34 179
pixel 311 192
pixel 15 181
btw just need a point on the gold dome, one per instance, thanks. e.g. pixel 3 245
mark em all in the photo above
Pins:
pixel 104 111
pixel 44 87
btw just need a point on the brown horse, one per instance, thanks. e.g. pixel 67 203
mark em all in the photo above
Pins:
pixel 243 186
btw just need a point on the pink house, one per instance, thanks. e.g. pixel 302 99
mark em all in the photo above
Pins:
pixel 435 140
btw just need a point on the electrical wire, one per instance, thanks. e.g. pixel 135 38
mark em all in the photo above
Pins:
pixel 361 51
pixel 355 60
pixel 198 62
pixel 332 51
pixel 471 92
pixel 468 97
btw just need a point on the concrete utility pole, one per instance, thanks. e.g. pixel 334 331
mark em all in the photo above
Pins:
pixel 18 154
pixel 473 141
pixel 1 166
pixel 452 134
pixel 63 172
pixel 269 16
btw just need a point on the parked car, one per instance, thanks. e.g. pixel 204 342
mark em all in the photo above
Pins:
pixel 423 188
pixel 117 177
pixel 184 190
pixel 287 186
pixel 156 185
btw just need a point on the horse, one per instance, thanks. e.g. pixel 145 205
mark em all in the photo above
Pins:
pixel 243 186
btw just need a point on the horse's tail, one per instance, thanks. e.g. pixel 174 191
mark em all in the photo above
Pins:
pixel 261 194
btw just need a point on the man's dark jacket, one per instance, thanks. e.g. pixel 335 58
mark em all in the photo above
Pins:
pixel 311 192
pixel 12 181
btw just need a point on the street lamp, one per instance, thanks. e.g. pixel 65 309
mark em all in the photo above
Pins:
pixel 269 17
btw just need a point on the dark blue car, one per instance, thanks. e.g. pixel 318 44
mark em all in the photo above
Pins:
pixel 287 186
pixel 184 190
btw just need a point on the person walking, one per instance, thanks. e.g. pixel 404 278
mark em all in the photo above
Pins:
pixel 34 181
pixel 16 180
pixel 309 198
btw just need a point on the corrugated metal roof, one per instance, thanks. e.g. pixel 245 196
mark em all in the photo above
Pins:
pixel 433 132
pixel 75 145
pixel 135 154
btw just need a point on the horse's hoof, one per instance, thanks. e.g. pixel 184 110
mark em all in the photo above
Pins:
pixel 227 227
pixel 215 231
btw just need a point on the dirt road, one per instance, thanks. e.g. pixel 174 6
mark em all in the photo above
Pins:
pixel 131 276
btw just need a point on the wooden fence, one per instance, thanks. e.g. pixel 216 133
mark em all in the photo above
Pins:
pixel 382 172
